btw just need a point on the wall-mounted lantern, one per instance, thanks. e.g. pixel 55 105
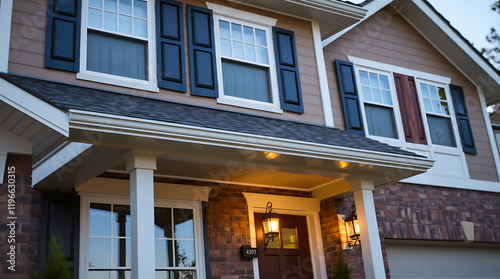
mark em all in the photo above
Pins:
pixel 271 228
pixel 352 227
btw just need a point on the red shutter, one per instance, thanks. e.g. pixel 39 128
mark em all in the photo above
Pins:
pixel 410 109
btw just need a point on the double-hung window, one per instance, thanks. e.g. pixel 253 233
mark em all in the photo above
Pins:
pixel 378 103
pixel 437 110
pixel 177 239
pixel 247 72
pixel 116 43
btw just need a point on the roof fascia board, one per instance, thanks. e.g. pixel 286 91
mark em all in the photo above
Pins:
pixel 106 123
pixel 58 158
pixel 34 107
pixel 334 7
pixel 372 7
pixel 460 43
pixel 5 22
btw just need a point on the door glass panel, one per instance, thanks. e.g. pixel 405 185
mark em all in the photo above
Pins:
pixel 289 238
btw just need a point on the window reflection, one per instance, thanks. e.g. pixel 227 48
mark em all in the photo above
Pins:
pixel 110 241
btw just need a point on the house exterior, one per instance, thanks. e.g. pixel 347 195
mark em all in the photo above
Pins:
pixel 150 137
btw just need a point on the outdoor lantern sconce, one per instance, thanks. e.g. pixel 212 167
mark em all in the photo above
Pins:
pixel 352 227
pixel 271 226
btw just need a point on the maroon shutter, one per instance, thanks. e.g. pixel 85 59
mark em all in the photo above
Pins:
pixel 410 109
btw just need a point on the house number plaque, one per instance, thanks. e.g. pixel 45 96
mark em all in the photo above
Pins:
pixel 248 253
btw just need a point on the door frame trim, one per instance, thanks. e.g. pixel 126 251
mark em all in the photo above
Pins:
pixel 308 207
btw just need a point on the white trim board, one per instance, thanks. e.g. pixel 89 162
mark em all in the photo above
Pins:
pixel 322 77
pixel 453 182
pixel 41 111
pixel 308 207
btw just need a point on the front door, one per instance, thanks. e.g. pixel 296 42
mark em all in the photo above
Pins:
pixel 288 255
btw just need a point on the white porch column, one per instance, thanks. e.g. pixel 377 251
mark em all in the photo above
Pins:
pixel 369 236
pixel 141 167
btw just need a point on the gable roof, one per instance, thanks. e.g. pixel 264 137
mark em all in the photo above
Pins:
pixel 71 97
pixel 445 38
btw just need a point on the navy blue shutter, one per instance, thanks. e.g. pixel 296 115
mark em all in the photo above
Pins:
pixel 288 70
pixel 202 52
pixel 60 217
pixel 62 46
pixel 457 94
pixel 349 95
pixel 170 45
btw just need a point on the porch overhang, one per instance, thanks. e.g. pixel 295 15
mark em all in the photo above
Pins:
pixel 219 156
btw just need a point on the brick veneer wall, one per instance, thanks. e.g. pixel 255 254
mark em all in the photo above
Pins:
pixel 408 211
pixel 228 229
pixel 414 212
pixel 27 211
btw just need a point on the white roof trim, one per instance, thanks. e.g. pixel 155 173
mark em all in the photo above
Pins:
pixel 34 107
pixel 106 123
pixel 372 7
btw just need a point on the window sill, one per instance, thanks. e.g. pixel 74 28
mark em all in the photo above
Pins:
pixel 250 104
pixel 118 81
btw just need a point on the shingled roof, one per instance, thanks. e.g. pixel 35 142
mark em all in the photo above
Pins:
pixel 68 96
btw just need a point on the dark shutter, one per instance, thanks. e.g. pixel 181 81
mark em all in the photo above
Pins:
pixel 287 70
pixel 170 45
pixel 62 46
pixel 457 94
pixel 60 217
pixel 350 99
pixel 413 124
pixel 202 52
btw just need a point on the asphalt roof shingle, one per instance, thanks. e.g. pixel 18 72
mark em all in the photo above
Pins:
pixel 67 96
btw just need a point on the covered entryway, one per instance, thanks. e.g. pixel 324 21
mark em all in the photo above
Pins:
pixel 436 261
pixel 288 255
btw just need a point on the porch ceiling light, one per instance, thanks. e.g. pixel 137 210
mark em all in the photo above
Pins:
pixel 352 226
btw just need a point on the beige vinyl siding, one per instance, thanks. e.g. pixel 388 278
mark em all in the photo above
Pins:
pixel 27 57
pixel 389 39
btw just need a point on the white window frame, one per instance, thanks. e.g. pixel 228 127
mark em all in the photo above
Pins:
pixel 151 84
pixel 87 198
pixel 257 21
pixel 442 154
pixel 395 106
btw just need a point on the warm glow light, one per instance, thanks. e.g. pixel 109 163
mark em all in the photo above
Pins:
pixel 271 155
pixel 356 226
pixel 271 226
pixel 343 164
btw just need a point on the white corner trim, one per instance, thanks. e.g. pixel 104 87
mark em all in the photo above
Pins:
pixel 106 123
pixel 41 111
pixel 400 70
pixel 453 182
pixel 241 15
pixel 323 79
pixel 5 22
pixel 58 158
pixel 489 129
pixel 308 207
pixel 373 7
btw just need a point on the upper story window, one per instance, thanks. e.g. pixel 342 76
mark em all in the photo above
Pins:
pixel 237 57
pixel 437 109
pixel 246 62
pixel 116 42
pixel 378 104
